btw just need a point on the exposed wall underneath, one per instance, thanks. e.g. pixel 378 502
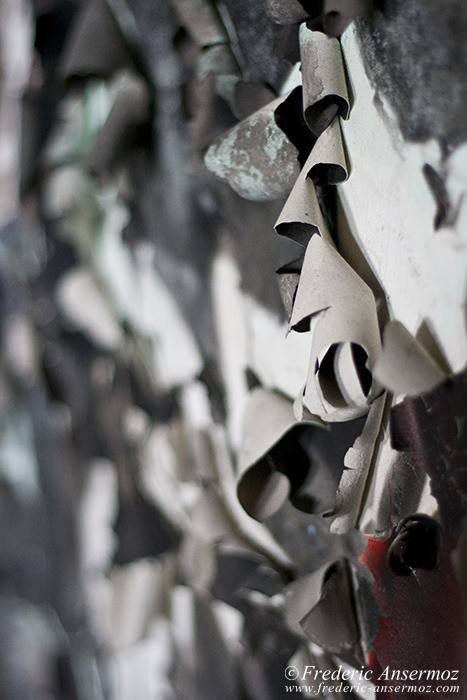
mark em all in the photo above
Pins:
pixel 388 203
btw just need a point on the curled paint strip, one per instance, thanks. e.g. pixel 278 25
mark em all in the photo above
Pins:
pixel 342 309
pixel 262 487
pixel 324 85
pixel 301 216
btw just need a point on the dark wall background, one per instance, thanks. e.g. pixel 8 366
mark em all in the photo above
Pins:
pixel 415 53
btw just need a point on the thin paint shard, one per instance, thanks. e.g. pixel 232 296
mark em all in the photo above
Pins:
pixel 287 11
pixel 404 366
pixel 94 46
pixel 256 157
pixel 357 463
pixel 333 608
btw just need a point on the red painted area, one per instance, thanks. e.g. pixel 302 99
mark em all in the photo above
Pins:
pixel 421 625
